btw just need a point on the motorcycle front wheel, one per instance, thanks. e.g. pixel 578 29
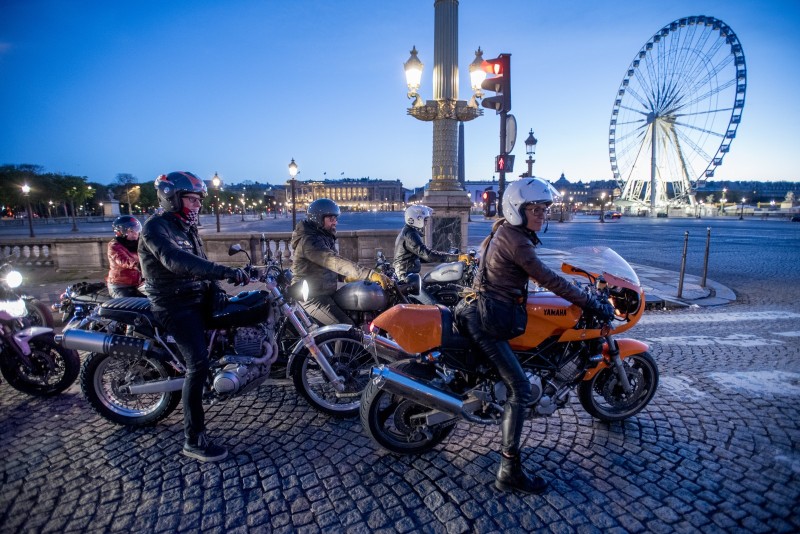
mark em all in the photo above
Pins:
pixel 39 314
pixel 52 368
pixel 103 377
pixel 349 359
pixel 387 418
pixel 604 398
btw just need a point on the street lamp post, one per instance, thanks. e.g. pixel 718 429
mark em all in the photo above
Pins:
pixel 530 150
pixel 216 182
pixel 741 213
pixel 26 190
pixel 723 199
pixel 561 212
pixel 292 174
pixel 243 206
pixel 49 210
pixel 445 111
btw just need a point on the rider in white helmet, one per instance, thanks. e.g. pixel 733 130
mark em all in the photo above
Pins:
pixel 509 260
pixel 410 250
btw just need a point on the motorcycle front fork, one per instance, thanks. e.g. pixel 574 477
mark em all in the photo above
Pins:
pixel 619 366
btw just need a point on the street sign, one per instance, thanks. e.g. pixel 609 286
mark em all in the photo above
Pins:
pixel 511 132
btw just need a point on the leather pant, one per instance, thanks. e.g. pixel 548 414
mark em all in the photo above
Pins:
pixel 511 373
pixel 325 311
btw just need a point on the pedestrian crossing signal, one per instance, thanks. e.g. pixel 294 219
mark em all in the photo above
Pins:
pixel 504 163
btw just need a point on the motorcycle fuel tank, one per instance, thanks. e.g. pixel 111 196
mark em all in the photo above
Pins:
pixel 361 296
pixel 248 307
pixel 446 272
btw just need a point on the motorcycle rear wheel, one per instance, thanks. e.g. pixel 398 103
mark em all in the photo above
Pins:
pixel 101 378
pixel 350 360
pixel 53 370
pixel 386 418
pixel 603 396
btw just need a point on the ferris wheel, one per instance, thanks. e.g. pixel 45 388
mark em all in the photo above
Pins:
pixel 677 111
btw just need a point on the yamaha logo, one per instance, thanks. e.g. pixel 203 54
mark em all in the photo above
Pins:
pixel 555 313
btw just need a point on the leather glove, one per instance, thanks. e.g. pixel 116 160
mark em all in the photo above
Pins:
pixel 379 278
pixel 237 277
pixel 600 309
pixel 466 258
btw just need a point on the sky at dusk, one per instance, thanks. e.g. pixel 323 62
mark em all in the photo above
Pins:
pixel 240 87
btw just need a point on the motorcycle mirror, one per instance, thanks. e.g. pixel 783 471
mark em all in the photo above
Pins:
pixel 304 291
pixel 235 249
pixel 14 279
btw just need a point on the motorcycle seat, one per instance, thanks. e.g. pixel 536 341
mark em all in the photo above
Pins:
pixel 127 310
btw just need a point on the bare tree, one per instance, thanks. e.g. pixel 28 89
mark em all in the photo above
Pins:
pixel 126 181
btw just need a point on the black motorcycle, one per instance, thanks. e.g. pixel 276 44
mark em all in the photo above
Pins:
pixel 79 299
pixel 134 372
pixel 30 360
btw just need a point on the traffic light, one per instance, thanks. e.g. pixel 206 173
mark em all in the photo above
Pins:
pixel 489 203
pixel 504 163
pixel 500 67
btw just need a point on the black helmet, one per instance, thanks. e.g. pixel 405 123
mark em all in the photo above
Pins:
pixel 123 223
pixel 171 187
pixel 321 208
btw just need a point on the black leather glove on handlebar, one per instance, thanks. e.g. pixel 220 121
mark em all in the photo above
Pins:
pixel 237 277
pixel 600 308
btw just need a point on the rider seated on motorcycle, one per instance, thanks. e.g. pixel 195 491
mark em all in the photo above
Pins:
pixel 182 288
pixel 410 250
pixel 124 272
pixel 510 260
pixel 317 261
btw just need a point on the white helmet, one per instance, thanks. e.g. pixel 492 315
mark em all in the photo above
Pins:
pixel 526 191
pixel 415 215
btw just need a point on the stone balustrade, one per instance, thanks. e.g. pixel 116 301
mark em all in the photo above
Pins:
pixel 82 254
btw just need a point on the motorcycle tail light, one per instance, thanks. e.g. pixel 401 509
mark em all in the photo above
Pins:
pixel 14 308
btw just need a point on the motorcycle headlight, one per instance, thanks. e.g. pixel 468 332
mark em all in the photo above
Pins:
pixel 14 279
pixel 304 291
pixel 14 308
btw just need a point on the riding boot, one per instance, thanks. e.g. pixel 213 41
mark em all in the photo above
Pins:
pixel 511 476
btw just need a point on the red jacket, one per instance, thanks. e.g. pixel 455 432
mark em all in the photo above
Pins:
pixel 125 269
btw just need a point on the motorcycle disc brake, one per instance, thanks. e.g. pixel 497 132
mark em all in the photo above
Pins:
pixel 612 389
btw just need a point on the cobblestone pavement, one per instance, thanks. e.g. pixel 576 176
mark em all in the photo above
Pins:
pixel 717 450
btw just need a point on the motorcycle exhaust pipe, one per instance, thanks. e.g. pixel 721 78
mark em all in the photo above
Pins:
pixel 386 348
pixel 111 344
pixel 401 384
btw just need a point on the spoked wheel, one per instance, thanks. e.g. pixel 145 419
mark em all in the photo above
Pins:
pixel 388 419
pixel 604 398
pixel 50 368
pixel 349 359
pixel 104 378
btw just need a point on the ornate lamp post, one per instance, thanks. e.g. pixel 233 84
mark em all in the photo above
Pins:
pixel 292 174
pixel 243 206
pixel 530 150
pixel 216 182
pixel 741 213
pixel 723 199
pixel 50 207
pixel 444 193
pixel 26 191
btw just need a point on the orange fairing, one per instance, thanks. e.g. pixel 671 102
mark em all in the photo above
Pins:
pixel 627 347
pixel 414 327
pixel 548 315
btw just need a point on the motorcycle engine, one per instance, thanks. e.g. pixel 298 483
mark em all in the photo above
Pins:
pixel 447 294
pixel 249 361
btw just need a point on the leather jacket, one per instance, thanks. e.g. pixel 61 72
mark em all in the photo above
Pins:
pixel 124 269
pixel 174 264
pixel 511 259
pixel 317 261
pixel 410 251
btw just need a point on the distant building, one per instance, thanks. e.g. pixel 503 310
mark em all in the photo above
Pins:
pixel 351 194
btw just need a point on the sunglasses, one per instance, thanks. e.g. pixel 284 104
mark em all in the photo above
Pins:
pixel 193 200
pixel 537 211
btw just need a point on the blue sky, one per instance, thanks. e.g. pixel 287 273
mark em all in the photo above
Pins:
pixel 240 87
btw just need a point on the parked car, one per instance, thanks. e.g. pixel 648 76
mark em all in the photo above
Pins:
pixel 795 218
pixel 613 215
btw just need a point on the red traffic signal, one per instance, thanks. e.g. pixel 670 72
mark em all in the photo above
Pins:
pixel 500 67
pixel 504 163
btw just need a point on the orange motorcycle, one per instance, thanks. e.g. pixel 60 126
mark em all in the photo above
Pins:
pixel 439 378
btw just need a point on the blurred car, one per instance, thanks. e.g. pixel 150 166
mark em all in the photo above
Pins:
pixel 796 218
pixel 613 215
